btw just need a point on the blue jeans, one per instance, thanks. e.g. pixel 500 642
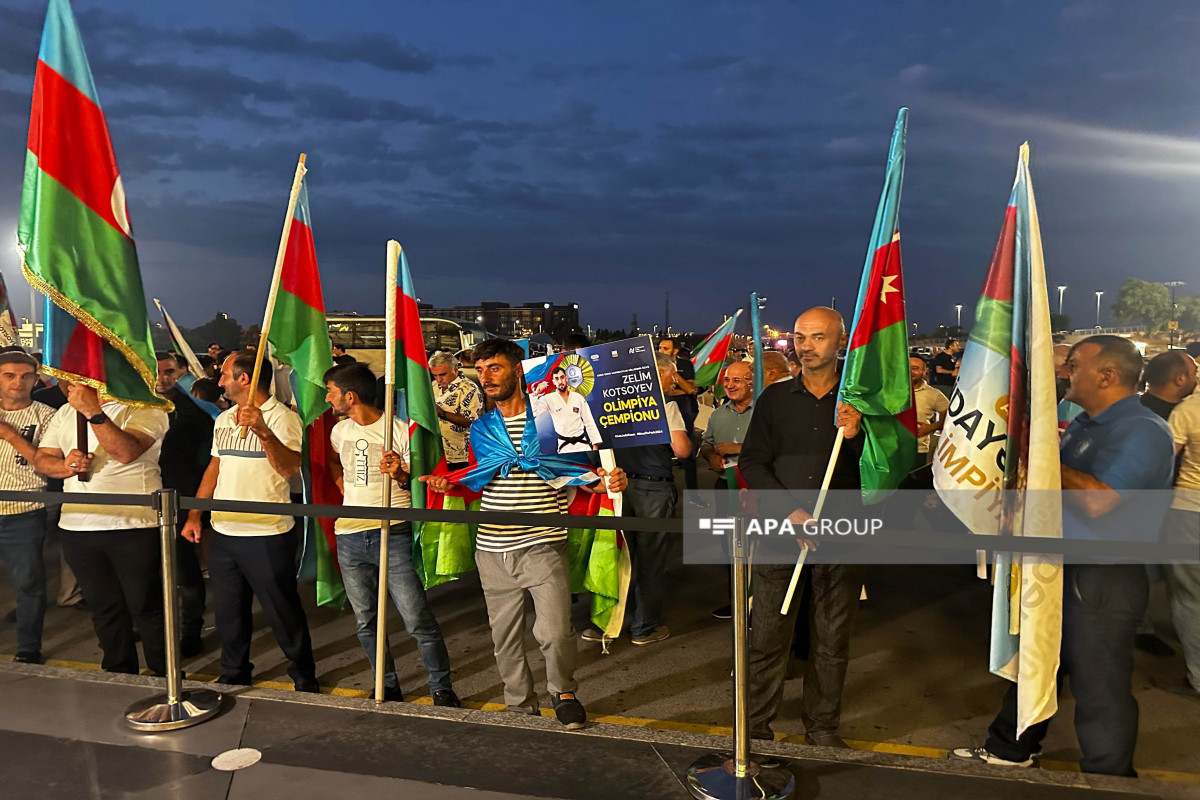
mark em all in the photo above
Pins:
pixel 649 552
pixel 358 556
pixel 22 538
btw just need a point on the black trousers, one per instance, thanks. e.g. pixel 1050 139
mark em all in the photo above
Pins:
pixel 835 593
pixel 242 568
pixel 190 579
pixel 1102 605
pixel 120 575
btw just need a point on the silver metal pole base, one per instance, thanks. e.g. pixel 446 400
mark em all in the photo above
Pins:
pixel 158 714
pixel 712 777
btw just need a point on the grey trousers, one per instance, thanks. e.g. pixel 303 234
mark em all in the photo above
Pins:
pixel 1183 527
pixel 540 570
pixel 835 593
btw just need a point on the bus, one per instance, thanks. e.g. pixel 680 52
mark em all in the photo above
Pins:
pixel 363 337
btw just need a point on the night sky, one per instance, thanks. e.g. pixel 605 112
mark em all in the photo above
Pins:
pixel 606 153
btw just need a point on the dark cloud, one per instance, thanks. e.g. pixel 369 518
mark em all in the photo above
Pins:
pixel 709 62
pixel 376 49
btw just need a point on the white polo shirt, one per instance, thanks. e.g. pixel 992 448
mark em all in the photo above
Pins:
pixel 109 476
pixel 245 473
pixel 360 449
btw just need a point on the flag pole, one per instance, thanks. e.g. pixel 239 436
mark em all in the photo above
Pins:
pixel 833 457
pixel 297 181
pixel 389 415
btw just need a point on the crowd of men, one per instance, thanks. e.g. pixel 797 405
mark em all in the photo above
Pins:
pixel 247 446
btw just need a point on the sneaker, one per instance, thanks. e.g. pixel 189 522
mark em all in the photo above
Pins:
pixel 446 699
pixel 724 612
pixel 1152 644
pixel 569 711
pixel 28 657
pixel 982 756
pixel 656 635
pixel 391 694
pixel 592 635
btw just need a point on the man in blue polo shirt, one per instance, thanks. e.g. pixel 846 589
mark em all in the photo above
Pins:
pixel 1115 448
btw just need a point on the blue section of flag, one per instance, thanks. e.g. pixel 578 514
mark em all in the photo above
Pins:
pixel 62 48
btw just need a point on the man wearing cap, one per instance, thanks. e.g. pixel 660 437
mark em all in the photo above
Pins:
pixel 22 524
pixel 113 550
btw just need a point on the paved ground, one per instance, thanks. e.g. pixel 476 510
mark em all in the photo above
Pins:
pixel 918 682
pixel 62 736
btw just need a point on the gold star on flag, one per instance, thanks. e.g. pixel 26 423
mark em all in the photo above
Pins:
pixel 888 280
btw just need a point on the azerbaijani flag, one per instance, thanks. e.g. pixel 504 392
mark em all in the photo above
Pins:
pixel 414 392
pixel 710 356
pixel 875 378
pixel 76 242
pixel 299 334
pixel 997 466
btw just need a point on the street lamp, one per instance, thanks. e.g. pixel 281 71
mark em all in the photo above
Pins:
pixel 958 308
pixel 1173 285
pixel 1098 308
pixel 1061 289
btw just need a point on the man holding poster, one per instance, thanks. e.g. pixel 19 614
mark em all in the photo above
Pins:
pixel 514 560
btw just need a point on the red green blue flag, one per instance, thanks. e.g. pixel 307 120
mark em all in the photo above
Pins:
pixel 414 402
pixel 710 356
pixel 875 378
pixel 299 334
pixel 74 232
pixel 997 466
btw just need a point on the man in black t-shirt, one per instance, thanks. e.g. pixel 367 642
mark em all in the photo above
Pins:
pixel 945 367
pixel 682 388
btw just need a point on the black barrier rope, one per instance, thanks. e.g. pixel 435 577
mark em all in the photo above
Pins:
pixel 1134 552
pixel 359 512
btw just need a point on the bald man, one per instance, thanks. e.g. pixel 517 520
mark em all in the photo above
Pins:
pixel 775 368
pixel 787 447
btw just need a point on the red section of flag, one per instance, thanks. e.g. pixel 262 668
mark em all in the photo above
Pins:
pixel 84 354
pixel 324 491
pixel 78 155
pixel 719 352
pixel 999 285
pixel 300 276
pixel 884 304
pixel 408 329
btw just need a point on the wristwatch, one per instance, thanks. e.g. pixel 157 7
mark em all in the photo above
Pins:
pixel 98 419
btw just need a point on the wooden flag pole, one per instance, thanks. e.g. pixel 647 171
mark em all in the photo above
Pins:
pixel 297 181
pixel 833 457
pixel 389 415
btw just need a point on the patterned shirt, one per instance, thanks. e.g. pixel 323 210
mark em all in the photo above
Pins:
pixel 461 397
pixel 16 474
pixel 519 491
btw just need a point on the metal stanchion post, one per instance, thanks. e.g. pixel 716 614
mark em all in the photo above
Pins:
pixel 179 708
pixel 716 776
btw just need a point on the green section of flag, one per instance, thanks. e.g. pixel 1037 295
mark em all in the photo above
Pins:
pixel 993 325
pixel 707 374
pixel 90 270
pixel 875 380
pixel 299 337
pixel 445 550
pixel 330 591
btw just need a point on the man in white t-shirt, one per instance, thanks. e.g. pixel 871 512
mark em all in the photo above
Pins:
pixel 23 524
pixel 570 415
pixel 358 465
pixel 254 555
pixel 113 550
pixel 1182 526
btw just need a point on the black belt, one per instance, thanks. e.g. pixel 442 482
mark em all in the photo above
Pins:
pixel 654 478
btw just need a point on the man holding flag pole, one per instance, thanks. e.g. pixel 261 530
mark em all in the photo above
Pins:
pixel 1050 621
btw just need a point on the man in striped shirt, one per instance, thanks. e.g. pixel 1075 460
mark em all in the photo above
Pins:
pixel 517 559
